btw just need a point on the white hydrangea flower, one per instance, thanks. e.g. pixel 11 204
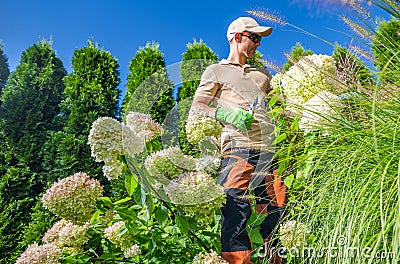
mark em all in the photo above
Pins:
pixel 208 258
pixel 309 76
pixel 73 198
pixel 319 111
pixel 293 233
pixel 73 237
pixel 169 162
pixel 45 254
pixel 200 125
pixel 109 139
pixel 197 194
pixel 123 241
pixel 133 251
pixel 113 169
pixel 67 236
pixel 143 125
pixel 209 164
pixel 132 143
pixel 105 139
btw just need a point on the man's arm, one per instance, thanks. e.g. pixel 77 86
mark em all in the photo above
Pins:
pixel 237 117
pixel 203 102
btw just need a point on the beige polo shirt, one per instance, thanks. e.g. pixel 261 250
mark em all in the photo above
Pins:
pixel 233 85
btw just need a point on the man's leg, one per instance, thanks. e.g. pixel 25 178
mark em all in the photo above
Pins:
pixel 235 178
pixel 270 201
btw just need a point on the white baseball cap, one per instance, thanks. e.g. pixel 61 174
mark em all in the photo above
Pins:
pixel 246 24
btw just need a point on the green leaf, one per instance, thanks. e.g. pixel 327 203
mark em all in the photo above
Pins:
pixel 140 195
pixel 289 180
pixel 162 215
pixel 273 101
pixel 149 205
pixel 131 183
pixel 123 200
pixel 95 216
pixel 105 201
pixel 279 139
pixel 182 224
pixel 126 213
pixel 255 236
pixel 256 219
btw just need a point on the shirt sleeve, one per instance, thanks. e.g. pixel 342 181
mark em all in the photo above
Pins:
pixel 209 85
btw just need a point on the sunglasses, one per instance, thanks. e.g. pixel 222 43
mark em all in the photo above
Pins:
pixel 252 36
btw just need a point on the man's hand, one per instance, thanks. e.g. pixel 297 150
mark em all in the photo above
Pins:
pixel 237 117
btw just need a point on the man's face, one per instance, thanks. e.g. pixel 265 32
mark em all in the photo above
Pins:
pixel 249 43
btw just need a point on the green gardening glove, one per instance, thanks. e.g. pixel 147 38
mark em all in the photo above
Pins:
pixel 237 117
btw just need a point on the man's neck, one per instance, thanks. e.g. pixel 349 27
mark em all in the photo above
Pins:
pixel 237 59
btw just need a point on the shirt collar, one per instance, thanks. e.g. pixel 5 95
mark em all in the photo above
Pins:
pixel 226 62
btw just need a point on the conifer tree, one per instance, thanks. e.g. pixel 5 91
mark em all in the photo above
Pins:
pixel 148 89
pixel 296 53
pixel 30 104
pixel 90 92
pixel 4 68
pixel 386 46
pixel 197 57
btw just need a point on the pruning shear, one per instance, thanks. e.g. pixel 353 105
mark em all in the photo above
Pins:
pixel 254 106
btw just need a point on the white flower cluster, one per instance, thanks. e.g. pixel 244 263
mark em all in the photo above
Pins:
pixel 121 240
pixel 208 258
pixel 200 125
pixel 73 198
pixel 293 233
pixel 108 139
pixel 320 111
pixel 45 254
pixel 197 194
pixel 68 237
pixel 209 164
pixel 132 252
pixel 309 76
pixel 169 162
pixel 143 125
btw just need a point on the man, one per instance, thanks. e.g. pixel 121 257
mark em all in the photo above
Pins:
pixel 235 93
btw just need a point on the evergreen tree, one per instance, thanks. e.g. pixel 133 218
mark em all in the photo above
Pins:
pixel 30 100
pixel 4 68
pixel 148 89
pixel 386 46
pixel 91 92
pixel 29 108
pixel 296 53
pixel 194 61
pixel 256 60
pixel 197 57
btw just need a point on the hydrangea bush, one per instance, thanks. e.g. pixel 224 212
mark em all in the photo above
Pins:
pixel 73 198
pixel 36 254
pixel 293 233
pixel 208 258
pixel 320 111
pixel 197 194
pixel 200 125
pixel 306 78
pixel 169 162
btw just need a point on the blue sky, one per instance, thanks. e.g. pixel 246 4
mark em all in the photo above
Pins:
pixel 123 26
